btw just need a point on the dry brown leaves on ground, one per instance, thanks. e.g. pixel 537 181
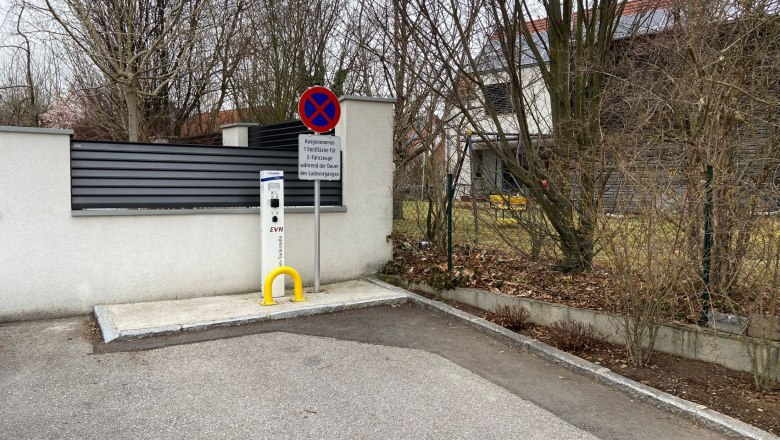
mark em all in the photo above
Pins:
pixel 501 272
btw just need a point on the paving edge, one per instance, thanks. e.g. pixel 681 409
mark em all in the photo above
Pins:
pixel 107 327
pixel 110 332
pixel 699 413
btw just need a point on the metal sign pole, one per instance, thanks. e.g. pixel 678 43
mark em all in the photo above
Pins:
pixel 317 105
pixel 316 236
pixel 319 158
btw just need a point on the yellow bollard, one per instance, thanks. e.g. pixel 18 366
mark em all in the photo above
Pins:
pixel 268 298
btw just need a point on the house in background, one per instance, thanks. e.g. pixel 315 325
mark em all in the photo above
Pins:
pixel 481 167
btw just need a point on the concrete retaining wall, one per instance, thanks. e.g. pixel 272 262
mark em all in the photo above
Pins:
pixel 55 262
pixel 681 340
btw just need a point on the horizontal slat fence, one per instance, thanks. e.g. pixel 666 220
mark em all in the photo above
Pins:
pixel 106 175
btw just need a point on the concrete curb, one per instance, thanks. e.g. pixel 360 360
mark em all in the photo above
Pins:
pixel 699 413
pixel 678 339
pixel 112 334
pixel 107 327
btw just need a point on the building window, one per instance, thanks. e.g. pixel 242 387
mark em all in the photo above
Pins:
pixel 498 95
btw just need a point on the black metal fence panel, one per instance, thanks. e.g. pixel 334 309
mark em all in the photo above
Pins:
pixel 107 175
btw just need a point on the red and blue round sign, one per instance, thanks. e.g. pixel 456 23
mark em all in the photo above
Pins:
pixel 319 109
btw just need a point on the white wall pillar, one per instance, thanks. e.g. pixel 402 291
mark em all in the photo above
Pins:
pixel 236 135
pixel 366 131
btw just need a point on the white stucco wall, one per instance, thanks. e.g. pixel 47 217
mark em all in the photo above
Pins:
pixel 536 98
pixel 53 263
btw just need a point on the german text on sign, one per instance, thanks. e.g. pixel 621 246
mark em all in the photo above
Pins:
pixel 319 157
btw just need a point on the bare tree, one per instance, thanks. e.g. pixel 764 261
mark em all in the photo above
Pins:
pixel 727 112
pixel 698 95
pixel 139 46
pixel 203 86
pixel 29 77
pixel 704 94
pixel 286 48
pixel 558 155
pixel 399 68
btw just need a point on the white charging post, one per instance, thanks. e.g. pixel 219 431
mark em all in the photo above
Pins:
pixel 272 226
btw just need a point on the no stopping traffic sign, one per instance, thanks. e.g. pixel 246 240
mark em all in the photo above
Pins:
pixel 319 109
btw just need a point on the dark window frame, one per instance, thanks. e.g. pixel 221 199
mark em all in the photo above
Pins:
pixel 500 97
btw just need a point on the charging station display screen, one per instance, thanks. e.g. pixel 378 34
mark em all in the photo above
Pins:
pixel 274 186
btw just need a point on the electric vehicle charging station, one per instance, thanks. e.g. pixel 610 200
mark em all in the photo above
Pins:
pixel 272 224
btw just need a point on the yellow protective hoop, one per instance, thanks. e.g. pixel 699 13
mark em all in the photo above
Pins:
pixel 268 298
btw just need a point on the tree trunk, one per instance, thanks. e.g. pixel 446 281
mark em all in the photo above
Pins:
pixel 398 195
pixel 32 114
pixel 133 112
pixel 577 253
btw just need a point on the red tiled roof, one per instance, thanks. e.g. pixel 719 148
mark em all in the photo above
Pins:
pixel 539 25
pixel 631 8
pixel 643 6
pixel 637 7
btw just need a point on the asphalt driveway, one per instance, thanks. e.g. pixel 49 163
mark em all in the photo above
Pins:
pixel 382 372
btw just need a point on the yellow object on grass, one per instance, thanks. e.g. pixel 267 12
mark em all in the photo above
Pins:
pixel 504 202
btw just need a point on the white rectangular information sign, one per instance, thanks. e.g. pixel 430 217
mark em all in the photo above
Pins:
pixel 319 157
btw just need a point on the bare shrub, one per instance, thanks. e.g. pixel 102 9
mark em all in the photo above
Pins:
pixel 649 260
pixel 574 335
pixel 698 235
pixel 512 317
pixel 763 302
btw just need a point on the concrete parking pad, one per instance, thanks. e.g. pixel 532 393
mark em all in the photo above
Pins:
pixel 130 321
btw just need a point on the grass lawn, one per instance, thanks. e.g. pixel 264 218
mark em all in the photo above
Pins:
pixel 495 229
pixel 501 231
